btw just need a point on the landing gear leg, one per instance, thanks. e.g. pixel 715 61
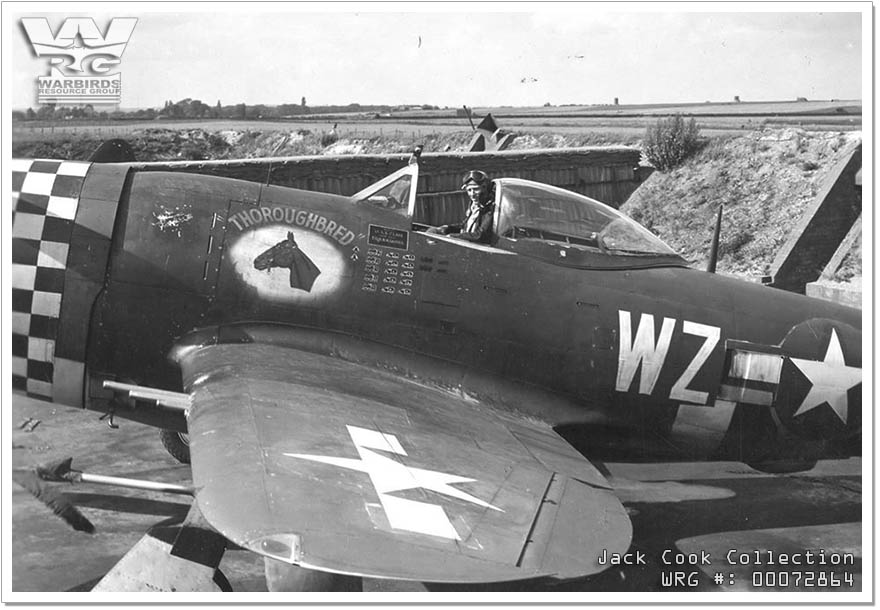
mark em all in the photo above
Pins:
pixel 282 576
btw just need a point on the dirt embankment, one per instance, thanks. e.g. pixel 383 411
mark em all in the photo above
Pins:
pixel 765 180
pixel 199 144
pixel 160 144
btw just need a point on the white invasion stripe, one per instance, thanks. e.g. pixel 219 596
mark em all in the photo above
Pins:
pixel 756 366
pixel 746 395
pixel 417 517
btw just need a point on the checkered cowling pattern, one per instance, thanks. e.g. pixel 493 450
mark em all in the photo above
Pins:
pixel 45 196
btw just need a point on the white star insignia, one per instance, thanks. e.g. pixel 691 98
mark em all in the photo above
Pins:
pixel 831 379
pixel 389 476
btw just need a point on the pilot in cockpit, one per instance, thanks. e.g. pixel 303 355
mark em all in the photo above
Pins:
pixel 477 225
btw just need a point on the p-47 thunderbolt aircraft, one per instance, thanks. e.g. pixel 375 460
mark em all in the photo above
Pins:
pixel 363 397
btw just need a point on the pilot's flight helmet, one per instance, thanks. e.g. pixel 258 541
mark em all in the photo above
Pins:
pixel 475 176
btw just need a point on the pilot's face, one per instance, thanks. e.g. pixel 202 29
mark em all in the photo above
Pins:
pixel 475 192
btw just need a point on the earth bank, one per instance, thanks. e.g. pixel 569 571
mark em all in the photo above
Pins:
pixel 765 179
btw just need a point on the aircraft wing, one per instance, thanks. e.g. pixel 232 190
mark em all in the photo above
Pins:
pixel 336 466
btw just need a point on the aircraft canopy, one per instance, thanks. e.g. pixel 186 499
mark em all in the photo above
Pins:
pixel 540 211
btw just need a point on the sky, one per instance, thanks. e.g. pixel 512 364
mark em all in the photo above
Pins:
pixel 450 54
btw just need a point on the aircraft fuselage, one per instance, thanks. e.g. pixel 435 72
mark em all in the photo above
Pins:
pixel 650 352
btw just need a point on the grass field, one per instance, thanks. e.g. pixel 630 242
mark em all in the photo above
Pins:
pixel 622 130
pixel 819 107
pixel 36 131
pixel 628 122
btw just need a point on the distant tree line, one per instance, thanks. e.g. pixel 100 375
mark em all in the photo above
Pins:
pixel 189 108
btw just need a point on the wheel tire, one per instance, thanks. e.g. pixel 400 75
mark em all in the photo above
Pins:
pixel 177 444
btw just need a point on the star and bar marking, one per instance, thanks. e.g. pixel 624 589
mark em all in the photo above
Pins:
pixel 389 476
pixel 831 379
pixel 754 376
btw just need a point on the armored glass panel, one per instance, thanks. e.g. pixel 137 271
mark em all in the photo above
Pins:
pixel 393 196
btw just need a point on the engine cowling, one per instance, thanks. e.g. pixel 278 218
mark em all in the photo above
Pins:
pixel 63 217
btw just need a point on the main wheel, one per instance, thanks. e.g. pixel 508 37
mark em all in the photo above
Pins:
pixel 177 444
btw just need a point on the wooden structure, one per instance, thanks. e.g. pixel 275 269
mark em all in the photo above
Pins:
pixel 609 174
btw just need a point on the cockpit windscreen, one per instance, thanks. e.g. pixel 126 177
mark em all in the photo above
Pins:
pixel 530 210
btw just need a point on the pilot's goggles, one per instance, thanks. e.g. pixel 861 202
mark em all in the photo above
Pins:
pixel 475 176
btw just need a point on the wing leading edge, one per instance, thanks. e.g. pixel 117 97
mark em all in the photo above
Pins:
pixel 335 466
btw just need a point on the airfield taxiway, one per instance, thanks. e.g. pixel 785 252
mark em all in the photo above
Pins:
pixel 677 508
